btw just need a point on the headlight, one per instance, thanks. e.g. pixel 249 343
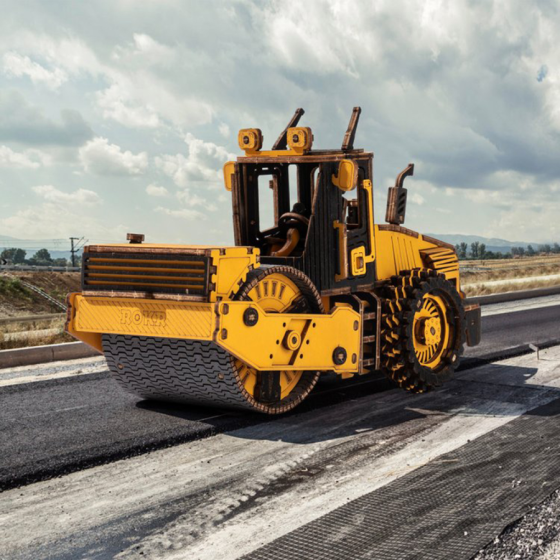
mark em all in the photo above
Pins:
pixel 250 139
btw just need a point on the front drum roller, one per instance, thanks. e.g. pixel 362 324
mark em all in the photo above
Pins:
pixel 203 373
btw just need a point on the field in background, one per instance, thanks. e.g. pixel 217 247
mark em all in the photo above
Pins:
pixel 505 275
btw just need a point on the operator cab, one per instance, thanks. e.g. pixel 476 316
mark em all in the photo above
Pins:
pixel 309 209
pixel 279 206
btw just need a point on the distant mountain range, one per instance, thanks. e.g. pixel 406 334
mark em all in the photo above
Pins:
pixel 492 243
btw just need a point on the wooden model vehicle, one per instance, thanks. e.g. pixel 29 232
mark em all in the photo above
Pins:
pixel 319 288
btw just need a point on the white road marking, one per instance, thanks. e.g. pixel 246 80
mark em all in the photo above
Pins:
pixel 519 305
pixel 52 370
pixel 235 492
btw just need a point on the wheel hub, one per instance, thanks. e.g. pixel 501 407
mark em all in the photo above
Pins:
pixel 430 333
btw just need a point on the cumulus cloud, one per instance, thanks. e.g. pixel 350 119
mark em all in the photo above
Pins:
pixel 22 122
pixel 183 213
pixel 156 190
pixel 50 220
pixel 203 163
pixel 101 158
pixel 140 98
pixel 190 199
pixel 83 197
pixel 31 159
pixel 141 101
pixel 224 130
pixel 144 45
pixel 118 103
pixel 17 65
pixel 417 198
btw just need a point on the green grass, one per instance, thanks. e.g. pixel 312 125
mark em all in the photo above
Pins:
pixel 13 288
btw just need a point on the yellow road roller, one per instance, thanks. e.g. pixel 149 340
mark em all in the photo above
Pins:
pixel 312 285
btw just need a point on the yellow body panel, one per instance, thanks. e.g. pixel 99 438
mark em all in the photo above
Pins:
pixel 317 335
pixel 398 251
pixel 264 346
pixel 92 339
pixel 229 171
pixel 359 257
pixel 231 267
pixel 143 317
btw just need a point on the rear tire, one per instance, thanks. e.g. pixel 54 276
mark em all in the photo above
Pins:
pixel 422 331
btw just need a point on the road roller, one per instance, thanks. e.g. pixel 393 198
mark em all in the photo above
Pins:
pixel 313 285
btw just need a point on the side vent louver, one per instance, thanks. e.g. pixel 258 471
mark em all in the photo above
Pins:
pixel 442 259
pixel 145 272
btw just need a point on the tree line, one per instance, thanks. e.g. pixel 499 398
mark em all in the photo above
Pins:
pixel 478 251
pixel 41 258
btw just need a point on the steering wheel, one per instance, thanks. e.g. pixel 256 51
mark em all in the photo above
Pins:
pixel 293 220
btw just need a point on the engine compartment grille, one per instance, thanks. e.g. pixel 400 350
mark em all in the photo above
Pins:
pixel 180 274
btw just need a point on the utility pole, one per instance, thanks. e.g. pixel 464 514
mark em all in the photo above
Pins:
pixel 75 247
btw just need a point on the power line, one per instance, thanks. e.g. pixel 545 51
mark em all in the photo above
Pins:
pixel 74 248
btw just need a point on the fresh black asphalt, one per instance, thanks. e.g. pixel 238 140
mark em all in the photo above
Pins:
pixel 50 428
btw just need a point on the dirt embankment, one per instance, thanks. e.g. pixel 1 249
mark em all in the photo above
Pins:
pixel 17 300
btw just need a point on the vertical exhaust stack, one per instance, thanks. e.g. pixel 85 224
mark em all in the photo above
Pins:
pixel 396 199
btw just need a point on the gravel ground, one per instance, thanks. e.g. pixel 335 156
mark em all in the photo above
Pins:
pixel 552 551
pixel 535 536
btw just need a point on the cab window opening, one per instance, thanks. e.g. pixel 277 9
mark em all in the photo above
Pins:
pixel 293 184
pixel 267 196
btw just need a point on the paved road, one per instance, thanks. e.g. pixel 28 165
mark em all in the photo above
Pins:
pixel 389 475
pixel 504 331
pixel 64 424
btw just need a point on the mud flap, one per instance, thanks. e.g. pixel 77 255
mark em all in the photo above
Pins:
pixel 473 324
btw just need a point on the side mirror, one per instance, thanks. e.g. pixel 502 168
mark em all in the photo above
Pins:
pixel 347 178
pixel 229 171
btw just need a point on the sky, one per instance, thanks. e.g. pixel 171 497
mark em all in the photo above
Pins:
pixel 117 116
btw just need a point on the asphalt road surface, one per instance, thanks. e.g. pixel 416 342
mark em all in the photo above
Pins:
pixel 56 419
